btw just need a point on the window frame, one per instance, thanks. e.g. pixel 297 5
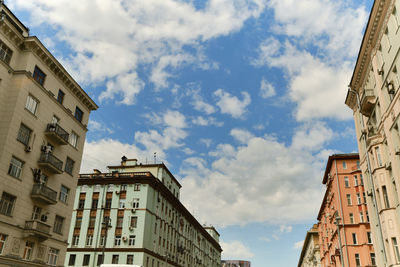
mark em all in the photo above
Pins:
pixel 86 260
pixel 24 134
pixel 13 168
pixel 53 254
pixel 7 205
pixel 73 139
pixel 58 224
pixel 60 96
pixel 63 197
pixel 32 104
pixel 78 114
pixel 69 166
pixel 39 76
pixel 71 260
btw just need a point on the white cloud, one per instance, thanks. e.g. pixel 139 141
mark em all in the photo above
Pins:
pixel 298 245
pixel 285 228
pixel 259 181
pixel 206 141
pixel 202 121
pixel 200 105
pixel 312 137
pixel 97 126
pixel 232 105
pixel 110 40
pixel 266 89
pixel 241 135
pixel 235 250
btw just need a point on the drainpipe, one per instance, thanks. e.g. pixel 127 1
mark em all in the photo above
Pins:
pixel 98 234
pixel 341 212
pixel 364 144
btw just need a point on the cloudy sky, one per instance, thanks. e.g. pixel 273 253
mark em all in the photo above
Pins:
pixel 243 100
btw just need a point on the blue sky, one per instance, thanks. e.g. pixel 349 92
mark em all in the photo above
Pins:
pixel 243 100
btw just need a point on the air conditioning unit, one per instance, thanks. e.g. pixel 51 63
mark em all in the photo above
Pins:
pixel 397 150
pixel 117 192
pixel 131 228
pixel 124 238
pixel 28 149
pixel 380 71
pixel 388 166
pixel 43 218
pixel 133 210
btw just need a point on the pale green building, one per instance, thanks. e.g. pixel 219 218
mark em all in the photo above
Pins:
pixel 147 224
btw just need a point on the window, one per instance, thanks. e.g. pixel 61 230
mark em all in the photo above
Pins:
pixel 108 203
pixel 358 164
pixel 348 196
pixel 78 222
pixel 373 261
pixel 115 259
pixel 89 240
pixel 137 187
pixel 351 216
pixel 28 250
pixel 364 198
pixel 86 260
pixel 135 203
pixel 64 194
pixel 344 165
pixel 6 204
pixel 369 238
pixel 122 203
pixel 24 134
pixel 5 53
pixel 117 240
pixel 81 204
pixel 131 241
pixel 58 224
pixel 39 75
pixel 120 221
pixel 358 198
pixel 95 203
pixel 71 261
pixel 354 237
pixel 346 181
pixel 99 260
pixel 378 157
pixel 15 168
pixel 358 262
pixel 123 187
pixel 75 240
pixel 60 96
pixel 102 240
pixel 69 165
pixel 73 139
pixel 53 256
pixel 31 104
pixel 78 114
pixel 385 197
pixel 92 222
pixel 134 221
pixel 396 249
pixel 361 217
pixel 3 239
pixel 110 188
pixel 355 180
pixel 361 179
pixel 366 213
pixel 129 259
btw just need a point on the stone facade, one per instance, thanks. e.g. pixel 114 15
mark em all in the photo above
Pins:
pixel 310 256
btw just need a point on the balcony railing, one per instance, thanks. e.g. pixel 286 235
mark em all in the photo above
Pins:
pixel 44 194
pixel 57 133
pixel 37 228
pixel 50 162
pixel 367 102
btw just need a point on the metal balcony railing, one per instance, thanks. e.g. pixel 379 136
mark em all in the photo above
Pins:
pixel 51 162
pixel 44 194
pixel 57 133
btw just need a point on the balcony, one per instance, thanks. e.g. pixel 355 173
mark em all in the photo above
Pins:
pixel 44 194
pixel 37 228
pixel 51 163
pixel 57 134
pixel 367 102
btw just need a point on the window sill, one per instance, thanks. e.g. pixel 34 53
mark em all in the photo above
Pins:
pixel 34 115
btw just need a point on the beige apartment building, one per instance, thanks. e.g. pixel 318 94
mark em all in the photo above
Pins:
pixel 43 123
pixel 310 256
pixel 132 215
pixel 374 98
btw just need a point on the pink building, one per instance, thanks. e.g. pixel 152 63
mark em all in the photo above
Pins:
pixel 343 222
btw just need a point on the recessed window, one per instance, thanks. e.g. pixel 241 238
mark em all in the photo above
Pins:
pixel 28 250
pixel 3 239
pixel 344 165
pixel 69 165
pixel 122 203
pixel 354 237
pixel 396 249
pixel 133 221
pixel 31 104
pixel 115 259
pixel 348 197
pixel 73 139
pixel 373 260
pixel 137 187
pixel 64 191
pixel 117 241
pixel 369 238
pixel 129 259
pixel 81 204
pixel 58 224
pixel 39 75
pixel 358 261
pixel 95 202
pixel 120 221
pixel 7 202
pixel 60 96
pixel 75 240
pixel 78 114
pixel 78 222
pixel 358 198
pixel 89 240
pixel 351 216
pixel 361 217
pixel 5 53
pixel 346 181
pixel 24 134
pixel 99 260
pixel 86 259
pixel 53 256
pixel 71 261
pixel 131 241
pixel 15 168
pixel 92 222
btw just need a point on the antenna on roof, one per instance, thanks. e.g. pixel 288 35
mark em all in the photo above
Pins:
pixel 155 157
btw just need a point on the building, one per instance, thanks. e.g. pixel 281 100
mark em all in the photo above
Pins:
pixel 43 118
pixel 132 215
pixel 310 256
pixel 343 219
pixel 374 98
pixel 235 263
